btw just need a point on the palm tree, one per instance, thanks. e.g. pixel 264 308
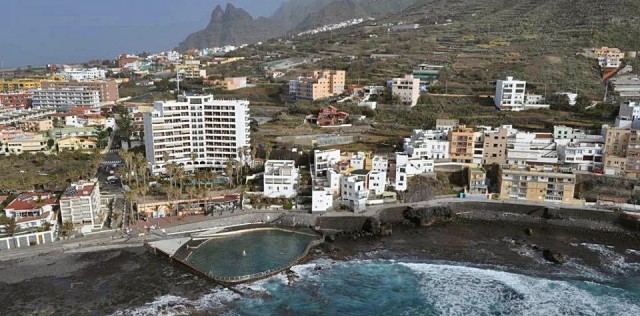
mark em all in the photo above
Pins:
pixel 131 196
pixel 66 228
pixel 229 170
pixel 10 224
pixel 171 206
pixel 143 190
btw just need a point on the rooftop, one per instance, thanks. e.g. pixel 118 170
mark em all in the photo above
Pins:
pixel 79 189
pixel 30 201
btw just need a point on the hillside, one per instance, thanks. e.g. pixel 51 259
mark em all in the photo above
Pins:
pixel 536 40
pixel 233 26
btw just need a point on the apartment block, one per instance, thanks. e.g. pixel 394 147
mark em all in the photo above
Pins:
pixel 80 204
pixel 510 94
pixel 538 184
pixel 15 99
pixel 629 115
pixel 107 89
pixel 281 179
pixel 616 148
pixel 19 115
pixel 427 144
pixel 462 144
pixel 214 130
pixel 65 97
pixel 407 88
pixel 495 145
pixel 324 160
pixel 24 84
pixel 609 57
pixel 83 74
pixel 37 125
pixel 321 84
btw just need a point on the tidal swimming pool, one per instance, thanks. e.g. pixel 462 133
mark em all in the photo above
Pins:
pixel 249 252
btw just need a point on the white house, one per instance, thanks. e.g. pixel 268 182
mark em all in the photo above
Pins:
pixel 321 200
pixel 407 168
pixel 377 182
pixel 407 88
pixel 280 179
pixel 510 94
pixel 531 148
pixel 584 152
pixel 427 144
pixel 379 163
pixel 354 192
pixel 324 160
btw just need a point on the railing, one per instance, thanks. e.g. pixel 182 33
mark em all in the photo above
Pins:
pixel 263 274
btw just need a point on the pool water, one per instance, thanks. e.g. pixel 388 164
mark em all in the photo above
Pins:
pixel 249 252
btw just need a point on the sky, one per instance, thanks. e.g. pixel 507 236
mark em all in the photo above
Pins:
pixel 39 32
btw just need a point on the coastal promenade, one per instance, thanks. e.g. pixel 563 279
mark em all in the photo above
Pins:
pixel 170 227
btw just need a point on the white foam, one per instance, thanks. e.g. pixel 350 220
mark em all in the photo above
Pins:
pixel 612 260
pixel 632 252
pixel 459 290
pixel 169 305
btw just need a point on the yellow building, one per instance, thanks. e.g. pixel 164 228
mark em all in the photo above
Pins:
pixel 37 125
pixel 616 145
pixel 461 144
pixel 322 84
pixel 538 184
pixel 27 144
pixel 477 180
pixel 77 143
pixel 20 84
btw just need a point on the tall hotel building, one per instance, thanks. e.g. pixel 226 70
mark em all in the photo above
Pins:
pixel 196 132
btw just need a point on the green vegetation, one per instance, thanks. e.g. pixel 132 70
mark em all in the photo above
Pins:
pixel 47 172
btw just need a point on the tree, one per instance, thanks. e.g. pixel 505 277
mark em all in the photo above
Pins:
pixel 125 128
pixel 582 103
pixel 558 102
pixel 50 143
pixel 66 228
pixel 229 171
pixel 10 224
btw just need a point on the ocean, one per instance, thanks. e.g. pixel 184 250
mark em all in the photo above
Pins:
pixel 384 287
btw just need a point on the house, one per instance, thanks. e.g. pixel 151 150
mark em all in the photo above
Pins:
pixel 477 182
pixel 405 168
pixel 72 143
pixel 407 89
pixel 583 152
pixel 427 144
pixel 525 148
pixel 281 178
pixel 234 83
pixel 354 191
pixel 26 143
pixel 31 204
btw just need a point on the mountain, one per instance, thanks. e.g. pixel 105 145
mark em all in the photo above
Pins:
pixel 232 26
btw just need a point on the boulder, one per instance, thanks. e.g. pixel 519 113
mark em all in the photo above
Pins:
pixel 528 231
pixel 427 215
pixel 550 213
pixel 553 256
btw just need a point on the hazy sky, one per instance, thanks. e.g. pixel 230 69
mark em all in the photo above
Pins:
pixel 37 32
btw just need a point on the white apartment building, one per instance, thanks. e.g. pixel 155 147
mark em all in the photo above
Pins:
pixel 324 160
pixel 84 74
pixel 407 88
pixel 21 115
pixel 354 192
pixel 564 134
pixel 584 152
pixel 281 179
pixel 358 160
pixel 377 182
pixel 510 94
pixel 379 164
pixel 321 200
pixel 80 204
pixel 427 144
pixel 65 97
pixel 407 168
pixel 213 130
pixel 524 148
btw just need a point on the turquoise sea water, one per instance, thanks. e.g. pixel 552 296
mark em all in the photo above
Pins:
pixel 405 288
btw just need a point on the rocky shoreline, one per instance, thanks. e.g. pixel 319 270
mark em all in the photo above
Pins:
pixel 586 245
